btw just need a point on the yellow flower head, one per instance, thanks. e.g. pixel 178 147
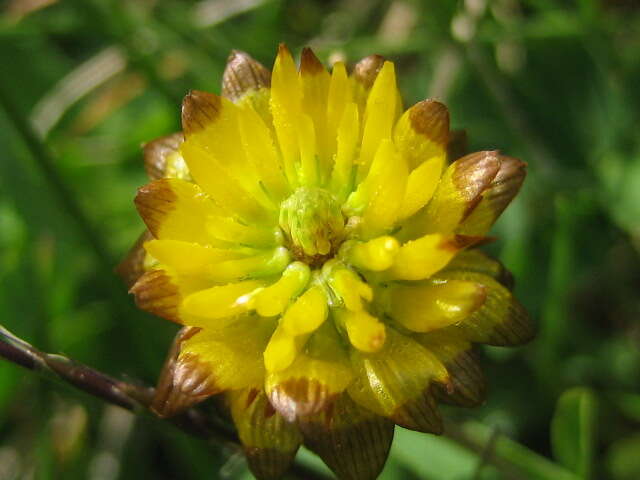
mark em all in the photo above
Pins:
pixel 317 241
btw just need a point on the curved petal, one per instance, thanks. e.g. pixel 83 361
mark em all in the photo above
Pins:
pixel 351 440
pixel 232 355
pixel 457 195
pixel 501 321
pixel 176 210
pixel 314 379
pixel 423 308
pixel 181 384
pixel 395 382
pixel 270 442
pixel 422 133
pixel 215 156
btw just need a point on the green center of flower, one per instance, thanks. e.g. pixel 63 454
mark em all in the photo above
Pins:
pixel 313 223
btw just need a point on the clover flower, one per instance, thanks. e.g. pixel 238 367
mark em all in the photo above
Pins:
pixel 317 243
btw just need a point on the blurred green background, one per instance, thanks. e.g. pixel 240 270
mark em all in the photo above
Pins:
pixel 556 83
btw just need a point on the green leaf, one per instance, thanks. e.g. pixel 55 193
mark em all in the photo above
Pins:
pixel 573 431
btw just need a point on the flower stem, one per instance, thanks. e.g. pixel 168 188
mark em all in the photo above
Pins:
pixel 135 398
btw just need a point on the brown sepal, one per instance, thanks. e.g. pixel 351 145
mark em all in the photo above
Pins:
pixel 366 70
pixel 467 385
pixel 506 184
pixel 352 441
pixel 183 381
pixel 299 397
pixel 199 109
pixel 155 293
pixel 474 173
pixel 243 74
pixel 270 442
pixel 155 154
pixel 420 414
pixel 154 201
pixel 131 268
pixel 431 119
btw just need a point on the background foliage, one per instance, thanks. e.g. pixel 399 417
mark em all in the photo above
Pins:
pixel 553 83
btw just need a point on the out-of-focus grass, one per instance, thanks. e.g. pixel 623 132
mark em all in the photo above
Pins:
pixel 553 83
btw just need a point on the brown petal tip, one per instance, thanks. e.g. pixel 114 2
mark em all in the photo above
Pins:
pixel 474 173
pixel 154 201
pixel 366 70
pixel 431 119
pixel 199 109
pixel 243 74
pixel 184 382
pixel 309 63
pixel 298 397
pixel 458 242
pixel 155 293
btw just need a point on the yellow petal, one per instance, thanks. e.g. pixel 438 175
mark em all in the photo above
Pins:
pixel 258 144
pixel 422 132
pixel 430 307
pixel 457 195
pixel 314 379
pixel 282 349
pixel 347 286
pixel 285 101
pixel 364 75
pixel 274 299
pixel 215 146
pixel 425 256
pixel 271 262
pixel 380 114
pixel 348 138
pixel 233 353
pixel 395 381
pixel 209 173
pixel 339 97
pixel 307 313
pixel 314 81
pixel 501 320
pixel 220 302
pixel 421 184
pixel 174 209
pixel 386 191
pixel 309 162
pixel 233 232
pixel 187 258
pixel 375 255
pixel 366 333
